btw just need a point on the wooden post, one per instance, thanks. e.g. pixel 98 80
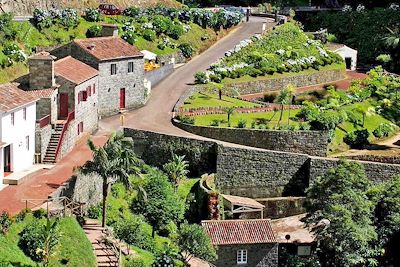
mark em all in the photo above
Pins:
pixel 26 204
pixel 47 204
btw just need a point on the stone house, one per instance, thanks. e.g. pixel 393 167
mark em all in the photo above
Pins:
pixel 68 104
pixel 17 130
pixel 348 54
pixel 243 242
pixel 120 66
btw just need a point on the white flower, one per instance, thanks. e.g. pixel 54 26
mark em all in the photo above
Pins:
pixel 360 8
pixel 394 6
pixel 347 8
pixel 280 52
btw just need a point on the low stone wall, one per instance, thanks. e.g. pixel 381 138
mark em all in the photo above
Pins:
pixel 157 149
pixel 281 207
pixel 157 75
pixel 382 159
pixel 42 139
pixel 376 172
pixel 178 56
pixel 260 86
pixel 308 142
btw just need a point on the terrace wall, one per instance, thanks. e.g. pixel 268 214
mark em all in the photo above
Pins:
pixel 159 74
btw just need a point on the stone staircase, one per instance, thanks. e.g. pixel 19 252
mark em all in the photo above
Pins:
pixel 50 157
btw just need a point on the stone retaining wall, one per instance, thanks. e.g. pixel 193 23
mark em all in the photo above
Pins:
pixel 382 159
pixel 157 75
pixel 42 139
pixel 260 86
pixel 308 142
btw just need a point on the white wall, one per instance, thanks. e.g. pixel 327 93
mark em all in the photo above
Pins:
pixel 21 158
pixel 346 52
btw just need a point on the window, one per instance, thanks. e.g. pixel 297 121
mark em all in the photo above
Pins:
pixel 113 69
pixel 12 118
pixel 84 95
pixel 241 256
pixel 24 113
pixel 94 88
pixel 89 91
pixel 80 128
pixel 27 142
pixel 130 67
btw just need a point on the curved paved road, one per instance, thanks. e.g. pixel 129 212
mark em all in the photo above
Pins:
pixel 156 114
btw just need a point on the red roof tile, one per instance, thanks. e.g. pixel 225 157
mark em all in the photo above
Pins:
pixel 12 97
pixel 74 70
pixel 107 48
pixel 44 93
pixel 230 232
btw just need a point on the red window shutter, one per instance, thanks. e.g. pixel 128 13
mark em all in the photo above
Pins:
pixel 94 88
pixel 79 97
pixel 89 91
pixel 84 95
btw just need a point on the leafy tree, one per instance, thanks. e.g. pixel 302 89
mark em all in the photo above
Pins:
pixel 291 91
pixel 282 99
pixel 114 161
pixel 365 111
pixel 340 211
pixel 229 112
pixel 51 238
pixel 387 222
pixel 194 242
pixel 177 169
pixel 162 204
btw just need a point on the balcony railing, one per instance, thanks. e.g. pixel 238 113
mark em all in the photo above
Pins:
pixel 43 122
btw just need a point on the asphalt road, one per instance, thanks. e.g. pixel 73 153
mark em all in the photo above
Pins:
pixel 156 115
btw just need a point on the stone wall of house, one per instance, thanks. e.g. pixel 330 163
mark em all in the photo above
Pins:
pixel 43 108
pixel 260 173
pixel 375 171
pixel 156 149
pixel 58 51
pixel 308 142
pixel 157 75
pixel 41 73
pixel 110 85
pixel 260 255
pixel 77 52
pixel 280 207
pixel 260 86
pixel 42 139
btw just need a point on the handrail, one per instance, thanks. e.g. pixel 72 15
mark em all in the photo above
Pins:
pixel 71 116
pixel 44 121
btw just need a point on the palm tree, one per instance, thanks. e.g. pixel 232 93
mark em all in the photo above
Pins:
pixel 365 111
pixel 177 169
pixel 291 91
pixel 282 99
pixel 229 111
pixel 114 161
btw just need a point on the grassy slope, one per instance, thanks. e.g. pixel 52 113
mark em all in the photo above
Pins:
pixel 75 248
pixel 210 100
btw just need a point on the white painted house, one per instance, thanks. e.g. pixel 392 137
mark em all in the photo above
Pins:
pixel 348 54
pixel 17 130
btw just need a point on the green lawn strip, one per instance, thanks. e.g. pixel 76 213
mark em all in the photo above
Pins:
pixel 74 248
pixel 145 255
pixel 276 75
pixel 185 186
pixel 200 100
pixel 205 120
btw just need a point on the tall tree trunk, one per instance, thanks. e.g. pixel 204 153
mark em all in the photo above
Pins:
pixel 280 116
pixel 220 94
pixel 288 118
pixel 105 194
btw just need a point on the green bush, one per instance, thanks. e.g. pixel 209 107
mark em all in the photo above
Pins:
pixel 22 215
pixel 31 239
pixel 242 124
pixel 149 35
pixel 215 123
pixel 134 262
pixel 95 212
pixel 384 130
pixel 132 231
pixel 132 11
pixel 201 77
pixel 357 139
pixel 5 222
pixel 270 97
pixel 94 31
pixel 175 31
pixel 186 119
pixel 186 49
pixel 130 37
pixel 327 120
pixel 92 14
pixel 39 213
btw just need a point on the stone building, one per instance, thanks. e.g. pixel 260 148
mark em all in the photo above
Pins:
pixel 243 242
pixel 120 66
pixel 68 105
pixel 348 54
pixel 17 130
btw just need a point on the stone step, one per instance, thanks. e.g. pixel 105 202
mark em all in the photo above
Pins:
pixel 105 259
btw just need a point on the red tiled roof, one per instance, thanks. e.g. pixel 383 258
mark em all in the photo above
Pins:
pixel 45 93
pixel 74 70
pixel 230 232
pixel 106 48
pixel 12 97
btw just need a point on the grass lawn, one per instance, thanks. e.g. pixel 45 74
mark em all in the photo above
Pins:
pixel 371 123
pixel 276 75
pixel 74 249
pixel 200 100
pixel 205 120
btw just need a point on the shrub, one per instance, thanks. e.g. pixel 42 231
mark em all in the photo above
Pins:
pixel 175 31
pixel 5 222
pixel 40 213
pixel 186 119
pixel 215 123
pixel 384 130
pixel 95 212
pixel 357 139
pixel 14 52
pixel 130 37
pixel 242 124
pixel 132 11
pixel 31 239
pixel 186 49
pixel 69 18
pixel 92 14
pixel 270 97
pixel 41 19
pixel 132 231
pixel 6 30
pixel 149 35
pixel 327 120
pixel 201 77
pixel 22 215
pixel 134 262
pixel 93 31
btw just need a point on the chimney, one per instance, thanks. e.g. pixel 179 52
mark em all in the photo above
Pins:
pixel 41 71
pixel 109 30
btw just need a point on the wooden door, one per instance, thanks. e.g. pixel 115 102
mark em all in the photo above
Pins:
pixel 63 103
pixel 7 159
pixel 122 98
